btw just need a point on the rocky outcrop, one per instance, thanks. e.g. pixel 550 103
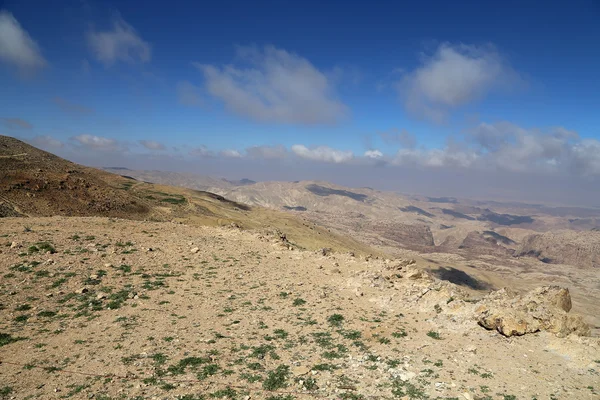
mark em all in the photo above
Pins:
pixel 581 249
pixel 545 308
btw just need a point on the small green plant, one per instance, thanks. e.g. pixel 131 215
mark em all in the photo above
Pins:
pixel 22 318
pixel 192 362
pixel 277 379
pixel 324 367
pixel 280 333
pixel 6 338
pixel 310 383
pixel 434 335
pixel 400 334
pixel 299 302
pixel 352 335
pixel 159 358
pixel 47 314
pixel 384 340
pixel 402 388
pixel 208 370
pixel 224 393
pixel 5 392
pixel 43 247
pixel 335 320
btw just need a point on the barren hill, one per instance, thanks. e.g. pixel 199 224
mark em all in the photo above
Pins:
pixel 36 183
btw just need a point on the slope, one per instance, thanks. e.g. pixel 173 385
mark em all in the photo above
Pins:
pixel 37 183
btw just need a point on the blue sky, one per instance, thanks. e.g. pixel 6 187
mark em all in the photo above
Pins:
pixel 510 86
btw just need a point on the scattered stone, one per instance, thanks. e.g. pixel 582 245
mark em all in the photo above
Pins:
pixel 301 370
pixel 82 290
pixel 406 376
pixel 195 250
pixel 471 349
pixel 325 251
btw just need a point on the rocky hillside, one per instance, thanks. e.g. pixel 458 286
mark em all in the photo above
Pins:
pixel 34 182
pixel 581 249
pixel 108 309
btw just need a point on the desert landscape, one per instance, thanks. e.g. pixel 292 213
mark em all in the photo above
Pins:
pixel 115 286
pixel 292 200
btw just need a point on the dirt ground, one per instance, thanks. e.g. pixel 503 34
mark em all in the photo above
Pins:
pixel 114 309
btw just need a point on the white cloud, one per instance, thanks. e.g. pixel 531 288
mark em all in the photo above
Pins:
pixel 322 153
pixel 121 43
pixel 277 87
pixel 202 151
pixel 188 94
pixel 152 145
pixel 452 77
pixel 267 152
pixel 374 154
pixel 230 153
pixel 17 47
pixel 97 142
pixel 46 142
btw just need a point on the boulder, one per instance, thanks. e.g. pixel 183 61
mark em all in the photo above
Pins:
pixel 545 308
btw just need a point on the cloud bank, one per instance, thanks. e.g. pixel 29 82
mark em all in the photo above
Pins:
pixel 322 153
